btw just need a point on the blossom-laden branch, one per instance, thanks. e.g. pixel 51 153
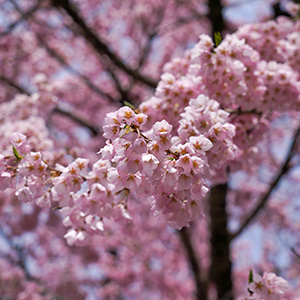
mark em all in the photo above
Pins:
pixel 286 166
pixel 58 57
pixel 100 46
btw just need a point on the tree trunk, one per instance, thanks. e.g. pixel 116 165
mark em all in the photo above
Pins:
pixel 220 270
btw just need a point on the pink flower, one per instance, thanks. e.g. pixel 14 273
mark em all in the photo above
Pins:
pixel 162 128
pixel 5 179
pixel 2 163
pixel 201 144
pixel 76 237
pixel 126 115
pixel 150 163
pixel 24 194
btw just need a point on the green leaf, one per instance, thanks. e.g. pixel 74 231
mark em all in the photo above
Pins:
pixel 250 278
pixel 127 130
pixel 171 158
pixel 57 208
pixel 16 153
pixel 217 38
pixel 126 103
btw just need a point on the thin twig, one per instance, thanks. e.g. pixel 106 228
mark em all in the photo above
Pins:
pixel 84 78
pixel 239 111
pixel 94 129
pixel 201 286
pixel 262 202
pixel 23 16
pixel 22 264
pixel 14 85
pixel 295 252
pixel 99 45
pixel 146 50
pixel 20 253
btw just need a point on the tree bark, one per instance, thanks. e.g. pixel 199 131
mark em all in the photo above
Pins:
pixel 215 16
pixel 220 269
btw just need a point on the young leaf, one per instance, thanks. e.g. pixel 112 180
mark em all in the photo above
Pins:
pixel 250 278
pixel 217 38
pixel 126 103
pixel 16 153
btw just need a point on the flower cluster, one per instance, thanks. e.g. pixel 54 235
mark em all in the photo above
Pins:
pixel 173 93
pixel 23 106
pixel 29 167
pixel 171 171
pixel 235 76
pixel 269 286
pixel 203 117
pixel 168 172
pixel 238 76
pixel 169 149
pixel 269 38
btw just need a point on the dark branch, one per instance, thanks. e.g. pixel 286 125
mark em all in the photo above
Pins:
pixel 151 35
pixel 274 183
pixel 23 16
pixel 278 11
pixel 99 45
pixel 239 111
pixel 94 129
pixel 123 92
pixel 63 62
pixel 19 88
pixel 295 252
pixel 215 16
pixel 84 78
pixel 21 262
pixel 201 286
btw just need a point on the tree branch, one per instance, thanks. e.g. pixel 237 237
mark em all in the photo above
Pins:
pixel 20 254
pixel 14 85
pixel 23 16
pixel 22 264
pixel 63 62
pixel 240 112
pixel 200 284
pixel 151 35
pixel 94 129
pixel 84 78
pixel 274 183
pixel 99 45
pixel 295 252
